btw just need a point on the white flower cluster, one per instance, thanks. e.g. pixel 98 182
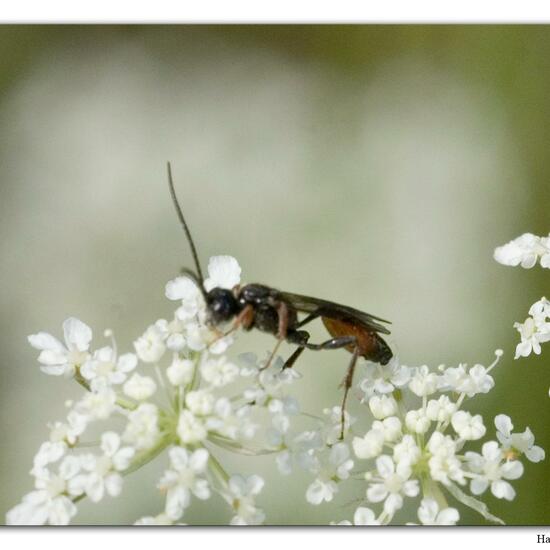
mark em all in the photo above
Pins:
pixel 193 414
pixel 179 395
pixel 420 449
pixel 525 250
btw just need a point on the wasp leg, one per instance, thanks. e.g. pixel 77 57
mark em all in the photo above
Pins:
pixel 347 383
pixel 282 311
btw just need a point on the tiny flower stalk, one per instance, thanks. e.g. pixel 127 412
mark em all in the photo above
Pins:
pixel 180 397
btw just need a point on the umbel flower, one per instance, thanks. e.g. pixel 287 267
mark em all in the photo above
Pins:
pixel 181 397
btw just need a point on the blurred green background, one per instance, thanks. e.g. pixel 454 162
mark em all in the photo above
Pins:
pixel 377 166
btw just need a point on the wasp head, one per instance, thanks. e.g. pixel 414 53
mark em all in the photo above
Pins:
pixel 222 305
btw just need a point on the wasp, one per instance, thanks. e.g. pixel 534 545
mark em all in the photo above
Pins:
pixel 257 306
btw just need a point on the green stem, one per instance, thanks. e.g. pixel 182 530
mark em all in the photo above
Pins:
pixel 217 468
pixel 149 454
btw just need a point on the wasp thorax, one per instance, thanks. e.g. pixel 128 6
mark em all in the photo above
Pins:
pixel 222 305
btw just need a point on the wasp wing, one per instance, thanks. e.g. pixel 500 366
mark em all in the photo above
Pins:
pixel 332 310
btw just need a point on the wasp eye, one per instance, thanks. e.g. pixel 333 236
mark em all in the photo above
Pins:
pixel 221 305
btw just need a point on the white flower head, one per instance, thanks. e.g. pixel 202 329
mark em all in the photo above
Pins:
pixel 140 387
pixel 105 369
pixel 219 372
pixel 514 444
pixel 492 470
pixel 392 483
pixel 183 479
pixel 534 332
pixel 382 406
pixel 468 427
pixel 104 471
pixel 429 513
pixel 525 250
pixel 181 371
pixel 241 496
pixel 223 272
pixel 58 359
pixel 150 346
pixel 417 421
pixel 191 429
pixel 185 289
pixel 384 378
pixel 333 466
pixel 142 430
pixel 51 501
pixel 423 382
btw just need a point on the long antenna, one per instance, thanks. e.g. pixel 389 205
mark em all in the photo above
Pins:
pixel 184 224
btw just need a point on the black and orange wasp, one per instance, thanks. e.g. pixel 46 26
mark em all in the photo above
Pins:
pixel 257 306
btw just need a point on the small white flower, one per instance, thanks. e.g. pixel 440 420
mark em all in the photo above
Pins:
pixel 423 381
pixel 514 443
pixel 68 432
pixel 183 479
pixel 469 381
pixel 331 468
pixel 140 387
pixel 173 333
pixel 382 406
pixel 142 429
pixel 200 402
pixel 406 451
pixel 48 453
pixel 104 476
pixel 150 346
pixel 241 496
pixel 369 446
pixel 58 359
pixel 223 272
pixel 385 378
pixel 430 514
pixel 468 427
pixel 51 503
pixel 533 333
pixel 105 369
pixel 332 430
pixel 184 289
pixel 524 251
pixel 443 463
pixel 417 421
pixel 219 372
pixel 180 372
pixel 493 470
pixel 440 410
pixel 191 429
pixel 97 405
pixel 391 484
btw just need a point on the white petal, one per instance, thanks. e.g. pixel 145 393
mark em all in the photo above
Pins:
pixel 77 334
pixel 182 288
pixel 127 362
pixel 377 492
pixel 110 442
pixel 364 516
pixel 502 489
pixel 113 484
pixel 385 466
pixel 535 454
pixel 223 272
pixel 503 424
pixel 43 341
pixel 179 458
pixel 199 460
